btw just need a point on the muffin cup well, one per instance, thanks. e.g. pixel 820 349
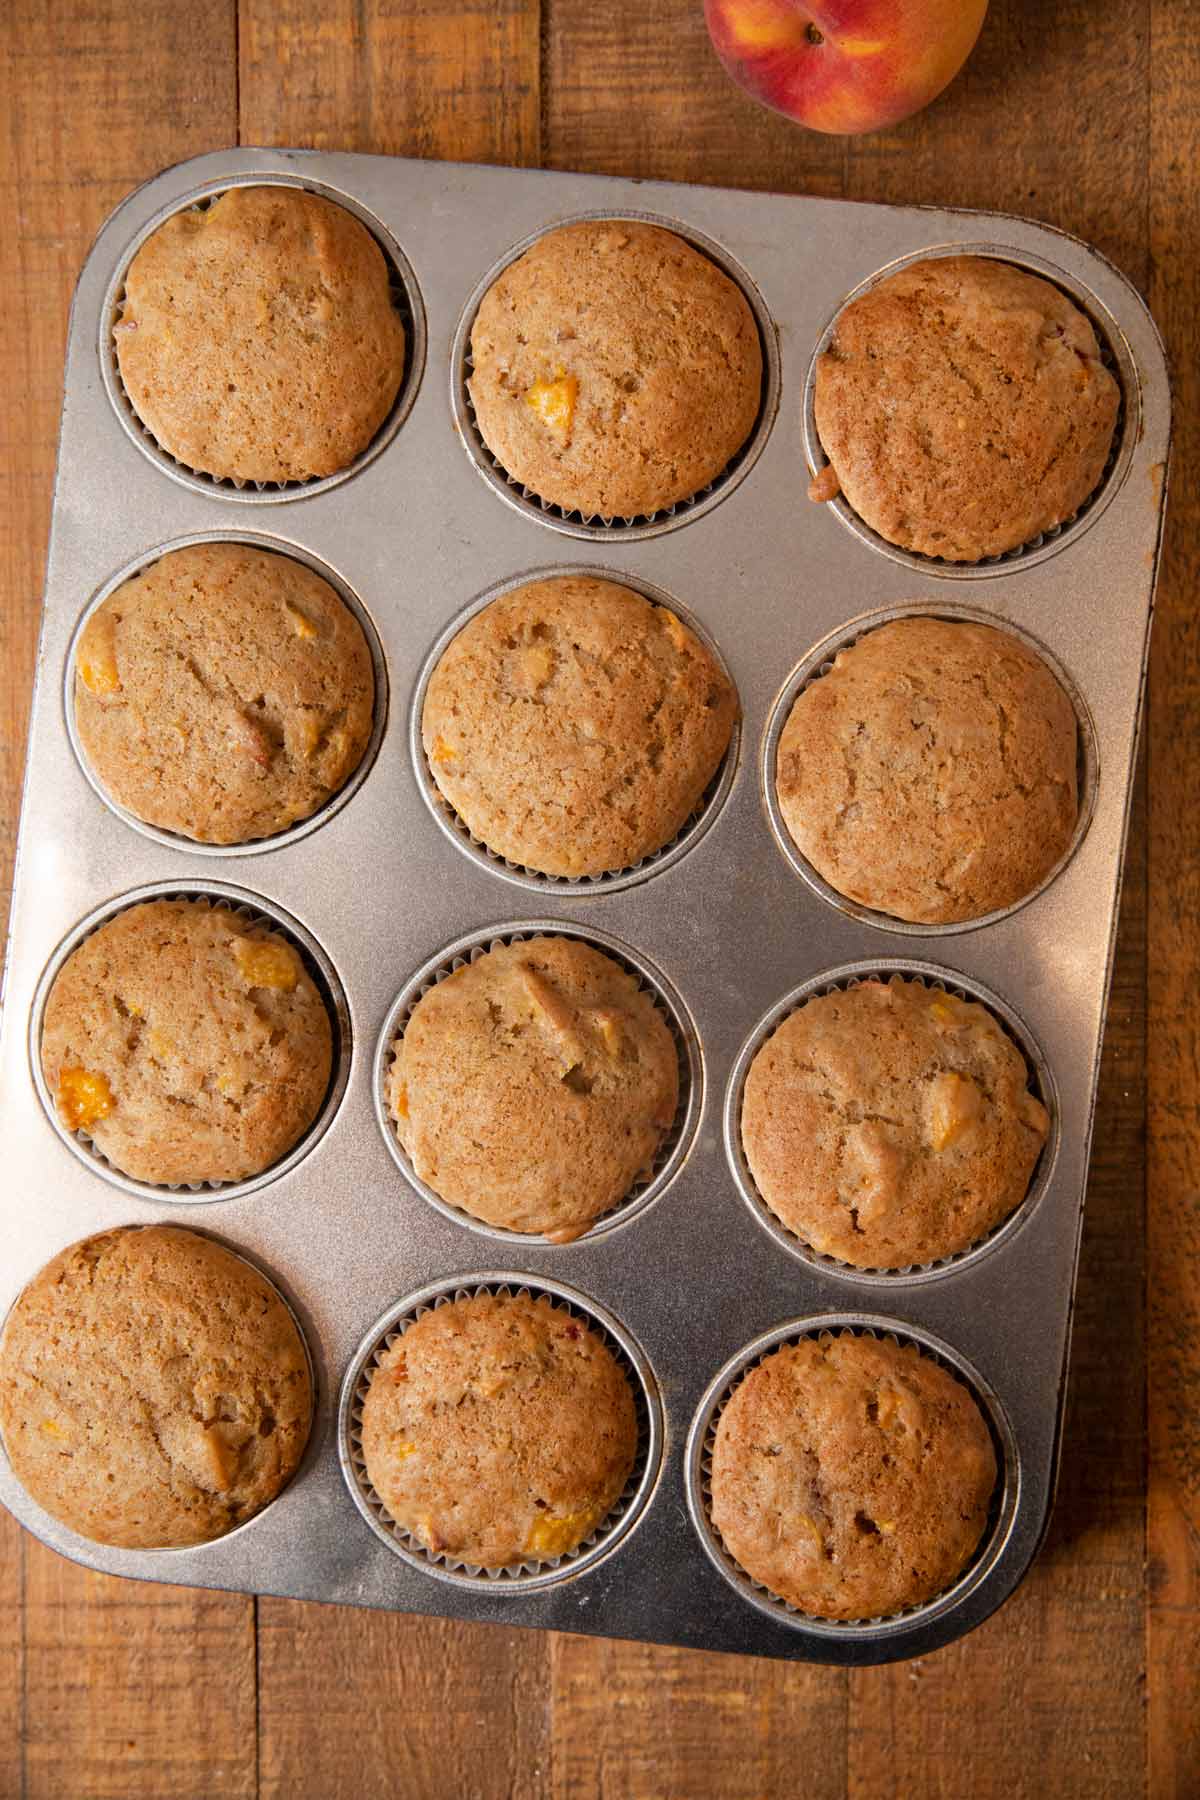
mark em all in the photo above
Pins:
pixel 703 815
pixel 251 909
pixel 698 1474
pixel 534 1574
pixel 406 298
pixel 306 1454
pixel 818 664
pixel 1114 354
pixel 853 975
pixel 643 525
pixel 674 1150
pixel 279 840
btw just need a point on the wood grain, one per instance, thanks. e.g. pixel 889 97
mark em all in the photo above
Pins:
pixel 457 80
pixel 1173 1050
pixel 135 1690
pixel 637 1721
pixel 12 1655
pixel 114 1681
pixel 408 1707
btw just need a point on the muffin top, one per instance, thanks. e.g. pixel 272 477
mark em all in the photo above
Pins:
pixel 964 407
pixel 851 1477
pixel 932 772
pixel 534 1086
pixel 223 693
pixel 257 339
pixel 187 1042
pixel 616 369
pixel 154 1390
pixel 891 1124
pixel 574 727
pixel 499 1429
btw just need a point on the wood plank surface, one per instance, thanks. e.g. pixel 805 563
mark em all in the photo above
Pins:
pixel 1173 1039
pixel 1087 115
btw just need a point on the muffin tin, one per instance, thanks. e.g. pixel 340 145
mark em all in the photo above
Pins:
pixel 729 929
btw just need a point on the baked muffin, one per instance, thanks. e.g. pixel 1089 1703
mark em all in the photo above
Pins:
pixel 616 369
pixel 257 339
pixel 891 1123
pixel 188 1043
pixel 535 1086
pixel 499 1429
pixel 154 1390
pixel 223 693
pixel 931 773
pixel 964 408
pixel 574 726
pixel 851 1477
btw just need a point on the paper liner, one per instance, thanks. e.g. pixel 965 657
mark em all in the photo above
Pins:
pixel 698 1473
pixel 1041 1083
pixel 676 1144
pixel 252 910
pixel 819 664
pixel 534 1573
pixel 405 298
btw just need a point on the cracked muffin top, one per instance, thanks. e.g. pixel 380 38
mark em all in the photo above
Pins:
pixel 931 773
pixel 574 726
pixel 852 1476
pixel 257 339
pixel 499 1429
pixel 964 408
pixel 223 693
pixel 189 1044
pixel 616 369
pixel 535 1086
pixel 891 1124
pixel 154 1390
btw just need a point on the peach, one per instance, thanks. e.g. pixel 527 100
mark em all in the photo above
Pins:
pixel 844 65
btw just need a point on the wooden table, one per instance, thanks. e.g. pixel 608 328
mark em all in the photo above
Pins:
pixel 1083 113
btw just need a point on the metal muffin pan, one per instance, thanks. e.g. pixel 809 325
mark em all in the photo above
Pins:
pixel 694 1280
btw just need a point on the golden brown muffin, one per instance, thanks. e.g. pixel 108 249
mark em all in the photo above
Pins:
pixel 852 1477
pixel 891 1123
pixel 964 407
pixel 189 1043
pixel 616 370
pixel 499 1429
pixel 535 1086
pixel 932 772
pixel 154 1390
pixel 574 726
pixel 257 339
pixel 223 693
